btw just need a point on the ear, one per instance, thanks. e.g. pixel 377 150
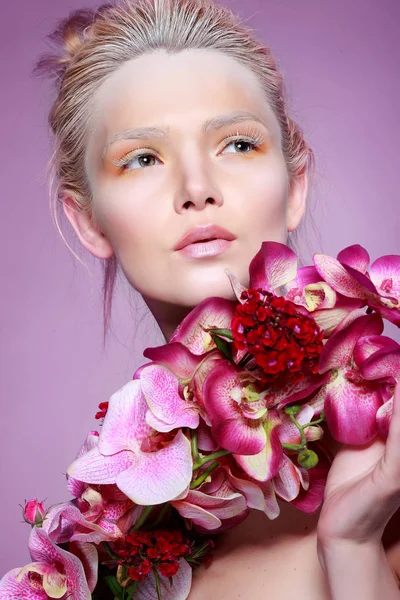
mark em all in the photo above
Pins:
pixel 90 234
pixel 296 204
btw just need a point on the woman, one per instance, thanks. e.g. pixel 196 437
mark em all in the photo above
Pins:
pixel 175 158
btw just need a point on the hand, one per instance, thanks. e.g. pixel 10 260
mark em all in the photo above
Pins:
pixel 363 488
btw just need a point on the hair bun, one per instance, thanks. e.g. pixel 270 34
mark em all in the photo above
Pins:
pixel 68 39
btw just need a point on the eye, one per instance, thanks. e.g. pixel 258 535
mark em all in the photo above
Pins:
pixel 241 144
pixel 144 159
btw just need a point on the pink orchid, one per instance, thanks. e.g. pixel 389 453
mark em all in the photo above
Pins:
pixel 97 514
pixel 383 363
pixel 275 269
pixel 125 456
pixel 215 505
pixel 168 409
pixel 377 285
pixel 55 573
pixel 352 400
pixel 186 384
pixel 302 487
pixel 212 312
pixel 241 421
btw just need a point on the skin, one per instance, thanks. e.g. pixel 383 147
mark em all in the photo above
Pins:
pixel 192 178
pixel 195 179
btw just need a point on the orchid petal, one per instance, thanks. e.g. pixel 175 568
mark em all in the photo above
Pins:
pixel 319 296
pixel 210 511
pixel 160 387
pixel 308 501
pixel 288 432
pixel 356 257
pixel 383 363
pixel 197 514
pixel 287 480
pixel 88 555
pixel 329 319
pixel 250 490
pixel 264 465
pixel 385 274
pixel 230 428
pixel 350 410
pixel 339 348
pixel 124 425
pixel 159 477
pixel 211 312
pixel 273 266
pixel 272 508
pixel 179 590
pixel 12 588
pixel 94 467
pixel 369 344
pixel 43 550
pixel 175 356
pixel 345 280
pixel 237 287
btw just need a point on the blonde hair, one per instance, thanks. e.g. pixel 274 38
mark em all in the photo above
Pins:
pixel 92 44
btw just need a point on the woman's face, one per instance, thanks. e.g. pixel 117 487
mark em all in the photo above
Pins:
pixel 194 173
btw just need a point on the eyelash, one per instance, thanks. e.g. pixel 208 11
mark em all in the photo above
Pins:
pixel 252 137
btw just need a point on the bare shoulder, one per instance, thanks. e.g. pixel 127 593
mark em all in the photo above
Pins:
pixel 250 560
pixel 391 544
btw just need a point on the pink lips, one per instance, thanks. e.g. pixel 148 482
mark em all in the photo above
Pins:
pixel 205 240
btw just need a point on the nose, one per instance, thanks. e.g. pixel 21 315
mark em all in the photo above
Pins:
pixel 196 189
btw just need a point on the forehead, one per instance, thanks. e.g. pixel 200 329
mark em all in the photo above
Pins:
pixel 177 90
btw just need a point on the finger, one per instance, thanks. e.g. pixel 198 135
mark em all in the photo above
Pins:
pixel 392 450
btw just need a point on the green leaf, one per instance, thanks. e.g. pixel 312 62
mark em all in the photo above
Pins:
pixel 222 332
pixel 113 585
pixel 131 590
pixel 223 346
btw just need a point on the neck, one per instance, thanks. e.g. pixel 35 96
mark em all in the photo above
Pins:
pixel 168 316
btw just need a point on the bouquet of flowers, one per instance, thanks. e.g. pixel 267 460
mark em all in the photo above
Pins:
pixel 228 416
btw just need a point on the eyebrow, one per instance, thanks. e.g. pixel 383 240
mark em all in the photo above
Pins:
pixel 163 132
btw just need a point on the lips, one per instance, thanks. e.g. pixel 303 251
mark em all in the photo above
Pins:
pixel 204 233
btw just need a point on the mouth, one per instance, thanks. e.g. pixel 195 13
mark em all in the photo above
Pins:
pixel 204 241
pixel 203 235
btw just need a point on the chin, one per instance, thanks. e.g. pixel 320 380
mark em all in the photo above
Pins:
pixel 192 295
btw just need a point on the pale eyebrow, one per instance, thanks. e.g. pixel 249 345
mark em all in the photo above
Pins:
pixel 163 133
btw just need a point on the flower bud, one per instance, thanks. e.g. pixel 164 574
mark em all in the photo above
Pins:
pixel 307 458
pixel 33 512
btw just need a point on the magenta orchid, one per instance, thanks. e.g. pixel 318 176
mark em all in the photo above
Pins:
pixel 54 573
pixel 241 422
pixel 377 285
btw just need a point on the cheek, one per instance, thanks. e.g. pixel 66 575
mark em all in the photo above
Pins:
pixel 128 224
pixel 267 199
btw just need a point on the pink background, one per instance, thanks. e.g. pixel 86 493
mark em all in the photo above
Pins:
pixel 340 60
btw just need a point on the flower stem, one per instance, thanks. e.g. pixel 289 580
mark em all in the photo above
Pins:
pixel 209 458
pixel 141 520
pixel 162 513
pixel 132 590
pixel 195 450
pixel 204 475
pixel 158 587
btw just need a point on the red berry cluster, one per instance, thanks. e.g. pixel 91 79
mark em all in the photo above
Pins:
pixel 142 551
pixel 283 341
pixel 103 406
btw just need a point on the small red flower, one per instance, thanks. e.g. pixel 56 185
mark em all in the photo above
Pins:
pixel 168 569
pixel 103 406
pixel 283 341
